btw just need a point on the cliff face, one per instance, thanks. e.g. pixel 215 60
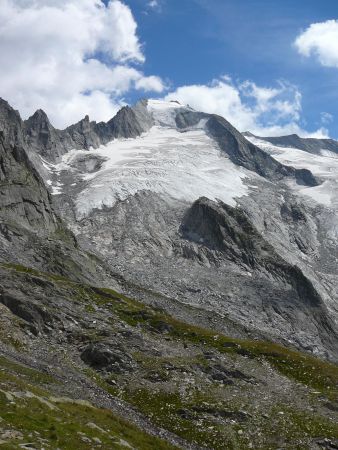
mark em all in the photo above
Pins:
pixel 229 234
pixel 48 142
pixel 31 232
pixel 244 153
pixel 24 199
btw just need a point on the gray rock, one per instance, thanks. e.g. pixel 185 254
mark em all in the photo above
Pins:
pixel 310 145
pixel 24 199
pixel 105 356
pixel 229 231
pixel 44 140
pixel 248 155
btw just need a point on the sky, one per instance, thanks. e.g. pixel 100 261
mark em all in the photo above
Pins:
pixel 268 66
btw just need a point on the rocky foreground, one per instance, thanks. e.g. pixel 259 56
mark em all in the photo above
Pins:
pixel 88 367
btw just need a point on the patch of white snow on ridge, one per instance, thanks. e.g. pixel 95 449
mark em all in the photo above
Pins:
pixel 184 166
pixel 48 166
pixel 329 154
pixel 163 112
pixel 323 166
pixel 57 188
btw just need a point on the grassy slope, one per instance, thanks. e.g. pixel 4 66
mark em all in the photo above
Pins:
pixel 164 407
pixel 35 415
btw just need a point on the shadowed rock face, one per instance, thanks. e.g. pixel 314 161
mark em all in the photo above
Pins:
pixel 81 135
pixel 24 199
pixel 128 123
pixel 229 232
pixel 31 232
pixel 43 139
pixel 187 119
pixel 310 145
pixel 241 151
pixel 248 155
pixel 41 136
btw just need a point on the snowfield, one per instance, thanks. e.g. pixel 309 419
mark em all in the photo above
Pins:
pixel 323 166
pixel 183 165
pixel 163 112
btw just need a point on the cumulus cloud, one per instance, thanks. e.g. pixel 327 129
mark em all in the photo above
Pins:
pixel 78 57
pixel 320 40
pixel 70 57
pixel 265 111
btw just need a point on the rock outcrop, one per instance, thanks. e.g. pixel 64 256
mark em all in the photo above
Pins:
pixel 48 142
pixel 310 145
pixel 248 155
pixel 228 232
pixel 24 200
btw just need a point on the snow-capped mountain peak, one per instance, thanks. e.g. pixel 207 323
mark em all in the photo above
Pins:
pixel 164 160
pixel 164 112
pixel 166 148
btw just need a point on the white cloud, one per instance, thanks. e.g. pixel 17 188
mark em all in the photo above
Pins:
pixel 326 118
pixel 321 40
pixel 70 57
pixel 265 111
pixel 150 83
pixel 78 57
pixel 153 4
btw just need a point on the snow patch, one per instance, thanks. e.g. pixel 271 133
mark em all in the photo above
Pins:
pixel 57 188
pixel 164 113
pixel 184 166
pixel 329 154
pixel 323 166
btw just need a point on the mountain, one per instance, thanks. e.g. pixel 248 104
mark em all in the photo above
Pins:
pixel 128 200
pixel 51 144
pixel 165 282
pixel 320 156
pixel 310 145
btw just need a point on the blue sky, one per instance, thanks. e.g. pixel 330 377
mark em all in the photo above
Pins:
pixel 195 41
pixel 268 66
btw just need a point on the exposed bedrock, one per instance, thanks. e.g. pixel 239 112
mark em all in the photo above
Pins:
pixel 24 199
pixel 310 145
pixel 227 231
pixel 45 140
pixel 248 155
pixel 213 256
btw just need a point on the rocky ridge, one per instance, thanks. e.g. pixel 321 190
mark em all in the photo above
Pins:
pixel 42 138
pixel 311 145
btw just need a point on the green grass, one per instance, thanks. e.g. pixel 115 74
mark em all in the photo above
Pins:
pixel 313 372
pixel 63 424
pixel 306 369
pixel 288 429
pixel 26 373
pixel 165 408
pixel 286 426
